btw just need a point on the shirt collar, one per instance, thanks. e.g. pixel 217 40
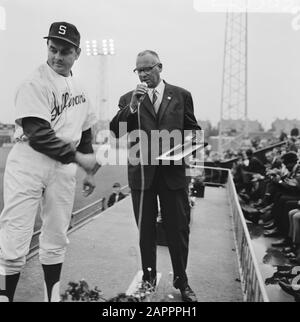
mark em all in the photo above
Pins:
pixel 159 88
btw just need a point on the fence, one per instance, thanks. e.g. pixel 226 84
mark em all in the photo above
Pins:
pixel 252 283
pixel 215 176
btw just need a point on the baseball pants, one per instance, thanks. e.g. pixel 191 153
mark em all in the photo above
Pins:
pixel 33 181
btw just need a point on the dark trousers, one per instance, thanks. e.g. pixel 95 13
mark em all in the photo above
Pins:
pixel 282 205
pixel 175 212
pixel 269 192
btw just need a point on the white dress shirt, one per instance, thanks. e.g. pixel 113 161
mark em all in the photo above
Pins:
pixel 159 93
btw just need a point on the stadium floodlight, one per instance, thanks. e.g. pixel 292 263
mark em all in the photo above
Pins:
pixel 2 18
pixel 93 48
pixel 102 49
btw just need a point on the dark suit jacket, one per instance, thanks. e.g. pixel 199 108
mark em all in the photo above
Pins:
pixel 255 166
pixel 176 112
pixel 112 198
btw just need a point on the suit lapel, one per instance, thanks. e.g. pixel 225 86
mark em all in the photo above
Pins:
pixel 148 105
pixel 167 98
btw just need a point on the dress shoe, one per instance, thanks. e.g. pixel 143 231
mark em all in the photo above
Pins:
pixel 253 216
pixel 269 222
pixel 285 267
pixel 288 249
pixel 292 289
pixel 259 203
pixel 286 274
pixel 244 197
pixel 188 294
pixel 290 255
pixel 272 233
pixel 295 261
pixel 269 225
pixel 266 215
pixel 266 208
pixel 286 280
pixel 281 243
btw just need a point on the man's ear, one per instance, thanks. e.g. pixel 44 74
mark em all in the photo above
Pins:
pixel 78 52
pixel 160 66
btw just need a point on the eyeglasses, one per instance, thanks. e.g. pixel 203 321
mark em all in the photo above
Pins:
pixel 146 70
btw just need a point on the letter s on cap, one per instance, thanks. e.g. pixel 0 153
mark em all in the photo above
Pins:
pixel 62 29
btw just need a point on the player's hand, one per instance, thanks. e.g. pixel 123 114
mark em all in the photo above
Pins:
pixel 88 185
pixel 140 91
pixel 87 161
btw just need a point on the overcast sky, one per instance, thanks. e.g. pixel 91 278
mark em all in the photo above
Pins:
pixel 190 45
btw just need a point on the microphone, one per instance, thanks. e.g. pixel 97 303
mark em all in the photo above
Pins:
pixel 142 97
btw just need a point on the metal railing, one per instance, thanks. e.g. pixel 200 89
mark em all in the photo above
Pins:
pixel 215 176
pixel 87 212
pixel 251 280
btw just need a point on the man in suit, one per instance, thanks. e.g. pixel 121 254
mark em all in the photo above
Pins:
pixel 273 160
pixel 116 196
pixel 152 109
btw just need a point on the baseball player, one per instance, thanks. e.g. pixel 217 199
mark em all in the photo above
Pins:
pixel 53 134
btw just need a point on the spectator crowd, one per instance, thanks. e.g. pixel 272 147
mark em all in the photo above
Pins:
pixel 269 193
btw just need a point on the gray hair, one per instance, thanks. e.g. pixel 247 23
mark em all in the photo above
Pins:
pixel 151 52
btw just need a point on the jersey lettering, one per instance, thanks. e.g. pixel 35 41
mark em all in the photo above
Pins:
pixel 67 100
pixel 62 29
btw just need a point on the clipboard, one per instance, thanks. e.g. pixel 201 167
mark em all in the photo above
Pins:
pixel 180 151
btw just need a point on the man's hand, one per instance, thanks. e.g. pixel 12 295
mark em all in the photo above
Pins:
pixel 88 185
pixel 140 91
pixel 86 161
pixel 276 178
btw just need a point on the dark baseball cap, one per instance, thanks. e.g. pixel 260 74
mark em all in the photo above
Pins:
pixel 64 31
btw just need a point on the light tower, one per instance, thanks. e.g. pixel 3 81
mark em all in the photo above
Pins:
pixel 2 18
pixel 234 85
pixel 106 49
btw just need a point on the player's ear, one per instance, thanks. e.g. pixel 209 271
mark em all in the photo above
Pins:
pixel 78 52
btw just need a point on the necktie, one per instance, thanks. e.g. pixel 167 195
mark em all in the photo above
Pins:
pixel 154 100
pixel 154 97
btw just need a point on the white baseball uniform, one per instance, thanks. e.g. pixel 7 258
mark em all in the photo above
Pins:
pixel 32 179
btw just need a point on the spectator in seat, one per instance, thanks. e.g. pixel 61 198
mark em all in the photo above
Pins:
pixel 294 232
pixel 116 196
pixel 288 191
pixel 292 143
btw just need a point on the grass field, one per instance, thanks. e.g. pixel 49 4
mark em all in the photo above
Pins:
pixel 105 178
